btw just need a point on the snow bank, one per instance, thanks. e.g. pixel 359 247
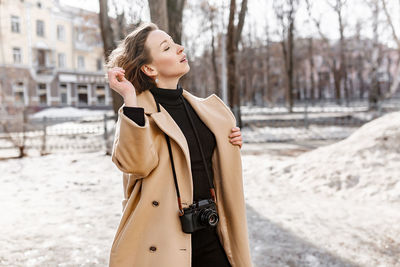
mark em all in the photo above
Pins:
pixel 364 165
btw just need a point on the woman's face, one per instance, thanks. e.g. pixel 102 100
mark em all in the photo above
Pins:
pixel 169 61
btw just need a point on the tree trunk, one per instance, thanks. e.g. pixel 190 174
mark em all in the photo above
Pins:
pixel 311 58
pixel 342 67
pixel 175 12
pixel 396 79
pixel 108 45
pixel 234 34
pixel 214 62
pixel 290 59
pixel 159 14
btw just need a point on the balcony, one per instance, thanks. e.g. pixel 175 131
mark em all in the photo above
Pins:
pixel 43 63
pixel 44 69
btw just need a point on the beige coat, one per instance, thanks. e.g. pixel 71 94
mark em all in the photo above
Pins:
pixel 149 233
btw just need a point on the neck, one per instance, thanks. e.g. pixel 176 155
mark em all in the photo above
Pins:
pixel 171 83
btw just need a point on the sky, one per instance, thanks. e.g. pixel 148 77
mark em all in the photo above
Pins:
pixel 261 11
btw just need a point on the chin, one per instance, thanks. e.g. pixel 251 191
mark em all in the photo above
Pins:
pixel 187 69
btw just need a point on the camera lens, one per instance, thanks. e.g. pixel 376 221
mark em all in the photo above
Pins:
pixel 208 217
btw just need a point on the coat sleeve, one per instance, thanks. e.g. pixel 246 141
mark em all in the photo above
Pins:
pixel 136 114
pixel 133 150
pixel 227 109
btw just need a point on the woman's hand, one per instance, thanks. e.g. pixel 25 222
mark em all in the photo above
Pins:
pixel 118 82
pixel 236 137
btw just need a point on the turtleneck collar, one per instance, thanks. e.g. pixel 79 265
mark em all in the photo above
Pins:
pixel 168 96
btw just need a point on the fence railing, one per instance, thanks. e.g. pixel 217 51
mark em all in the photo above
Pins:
pixel 23 134
pixel 47 134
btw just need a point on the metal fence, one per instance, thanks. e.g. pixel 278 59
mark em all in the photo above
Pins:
pixel 48 135
pixel 24 134
pixel 324 120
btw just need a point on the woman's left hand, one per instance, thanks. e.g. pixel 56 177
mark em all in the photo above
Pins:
pixel 236 137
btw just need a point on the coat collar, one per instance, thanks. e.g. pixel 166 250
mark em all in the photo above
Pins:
pixel 146 100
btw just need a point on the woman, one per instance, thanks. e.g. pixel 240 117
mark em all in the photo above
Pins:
pixel 163 177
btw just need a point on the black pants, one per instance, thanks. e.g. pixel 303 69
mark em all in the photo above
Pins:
pixel 207 250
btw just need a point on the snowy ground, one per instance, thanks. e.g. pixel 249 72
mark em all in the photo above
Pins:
pixel 337 205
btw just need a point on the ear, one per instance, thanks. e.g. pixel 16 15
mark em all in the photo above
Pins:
pixel 149 70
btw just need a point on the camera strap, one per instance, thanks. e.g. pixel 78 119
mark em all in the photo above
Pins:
pixel 212 189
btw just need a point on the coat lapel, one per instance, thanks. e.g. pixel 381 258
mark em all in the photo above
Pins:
pixel 208 109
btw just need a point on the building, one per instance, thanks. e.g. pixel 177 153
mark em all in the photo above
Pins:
pixel 51 55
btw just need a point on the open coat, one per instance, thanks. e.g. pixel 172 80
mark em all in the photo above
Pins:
pixel 149 233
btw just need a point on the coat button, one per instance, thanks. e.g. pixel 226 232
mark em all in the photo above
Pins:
pixel 155 203
pixel 152 248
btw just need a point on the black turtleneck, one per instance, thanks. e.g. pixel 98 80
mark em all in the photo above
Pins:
pixel 206 247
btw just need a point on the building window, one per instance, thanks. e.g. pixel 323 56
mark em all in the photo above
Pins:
pixel 79 34
pixel 42 93
pixel 63 93
pixel 99 64
pixel 82 95
pixel 81 62
pixel 60 32
pixel 18 90
pixel 17 55
pixel 61 60
pixel 15 24
pixel 40 28
pixel 100 95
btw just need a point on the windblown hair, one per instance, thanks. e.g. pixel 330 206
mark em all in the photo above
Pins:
pixel 131 54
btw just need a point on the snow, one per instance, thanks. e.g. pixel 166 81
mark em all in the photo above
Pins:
pixel 308 203
pixel 58 210
pixel 279 134
pixel 363 166
pixel 55 112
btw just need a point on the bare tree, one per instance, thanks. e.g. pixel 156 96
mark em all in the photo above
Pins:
pixel 396 81
pixel 109 45
pixel 336 69
pixel 213 49
pixel 159 13
pixel 167 14
pixel 209 14
pixel 338 6
pixel 285 12
pixel 175 12
pixel 360 58
pixel 268 67
pixel 234 35
pixel 312 68
pixel 128 16
pixel 376 57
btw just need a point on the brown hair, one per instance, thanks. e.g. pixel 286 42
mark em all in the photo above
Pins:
pixel 131 54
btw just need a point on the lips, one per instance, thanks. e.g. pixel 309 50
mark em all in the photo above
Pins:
pixel 183 59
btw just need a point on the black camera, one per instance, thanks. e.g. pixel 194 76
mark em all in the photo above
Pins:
pixel 199 215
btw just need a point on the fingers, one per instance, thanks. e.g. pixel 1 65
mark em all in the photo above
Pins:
pixel 238 142
pixel 239 138
pixel 115 72
pixel 236 137
pixel 116 75
pixel 235 134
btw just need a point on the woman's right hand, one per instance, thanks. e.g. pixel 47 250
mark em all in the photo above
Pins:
pixel 118 82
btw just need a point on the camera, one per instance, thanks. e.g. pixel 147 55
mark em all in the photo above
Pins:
pixel 199 215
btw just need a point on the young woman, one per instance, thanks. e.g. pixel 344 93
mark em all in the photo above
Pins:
pixel 174 150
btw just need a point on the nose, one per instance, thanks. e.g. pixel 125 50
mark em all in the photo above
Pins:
pixel 180 48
